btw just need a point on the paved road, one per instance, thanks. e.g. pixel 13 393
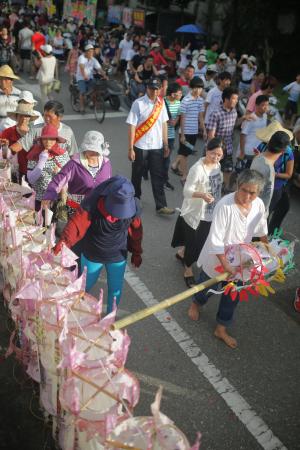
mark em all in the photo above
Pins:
pixel 243 399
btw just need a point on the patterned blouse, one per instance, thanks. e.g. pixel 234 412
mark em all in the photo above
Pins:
pixel 51 168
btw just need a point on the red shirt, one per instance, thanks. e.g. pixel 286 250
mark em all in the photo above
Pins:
pixel 12 135
pixel 182 82
pixel 38 40
pixel 158 59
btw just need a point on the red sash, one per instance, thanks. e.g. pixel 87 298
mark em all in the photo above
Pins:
pixel 146 126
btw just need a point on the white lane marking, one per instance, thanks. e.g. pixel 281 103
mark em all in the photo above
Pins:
pixel 110 115
pixel 240 407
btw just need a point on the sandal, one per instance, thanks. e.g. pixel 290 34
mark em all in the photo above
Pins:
pixel 176 171
pixel 180 258
pixel 189 281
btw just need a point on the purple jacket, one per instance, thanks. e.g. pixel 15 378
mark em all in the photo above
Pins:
pixel 77 177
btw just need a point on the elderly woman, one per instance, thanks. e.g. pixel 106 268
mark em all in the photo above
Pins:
pixel 201 192
pixel 109 225
pixel 237 218
pixel 82 173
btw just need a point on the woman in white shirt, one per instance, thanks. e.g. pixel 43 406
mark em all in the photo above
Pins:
pixel 46 73
pixel 237 218
pixel 248 67
pixel 202 190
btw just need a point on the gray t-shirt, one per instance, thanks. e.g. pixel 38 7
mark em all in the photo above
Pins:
pixel 64 131
pixel 266 169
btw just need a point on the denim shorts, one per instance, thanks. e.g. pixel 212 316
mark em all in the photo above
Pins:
pixel 85 85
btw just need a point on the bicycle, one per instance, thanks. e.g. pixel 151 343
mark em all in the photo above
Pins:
pixel 95 96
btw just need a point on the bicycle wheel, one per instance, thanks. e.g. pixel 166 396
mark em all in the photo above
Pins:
pixel 75 101
pixel 99 108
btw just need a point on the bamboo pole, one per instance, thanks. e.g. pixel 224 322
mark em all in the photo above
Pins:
pixel 135 317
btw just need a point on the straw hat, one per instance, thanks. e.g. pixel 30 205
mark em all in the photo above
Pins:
pixel 7 72
pixel 265 134
pixel 24 110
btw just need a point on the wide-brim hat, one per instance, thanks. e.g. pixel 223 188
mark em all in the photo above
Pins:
pixel 120 201
pixel 93 141
pixel 47 48
pixel 7 72
pixel 24 110
pixel 119 198
pixel 50 132
pixel 265 134
pixel 212 68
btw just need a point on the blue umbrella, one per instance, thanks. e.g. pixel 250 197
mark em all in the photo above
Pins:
pixel 191 28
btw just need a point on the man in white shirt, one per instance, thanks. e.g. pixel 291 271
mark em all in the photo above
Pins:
pixel 124 48
pixel 201 66
pixel 25 45
pixel 237 218
pixel 86 66
pixel 248 139
pixel 53 112
pixel 148 143
pixel 214 97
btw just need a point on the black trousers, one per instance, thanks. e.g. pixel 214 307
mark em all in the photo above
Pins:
pixel 155 162
pixel 279 207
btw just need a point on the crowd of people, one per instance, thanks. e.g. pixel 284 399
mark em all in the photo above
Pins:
pixel 178 94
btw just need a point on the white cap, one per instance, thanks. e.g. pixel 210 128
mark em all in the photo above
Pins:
pixel 203 51
pixel 93 141
pixel 47 48
pixel 202 58
pixel 252 59
pixel 212 68
pixel 223 56
pixel 155 45
pixel 27 97
pixel 88 47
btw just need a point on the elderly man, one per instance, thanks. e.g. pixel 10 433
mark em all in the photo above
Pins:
pixel 9 95
pixel 237 218
pixel 53 112
pixel 86 66
pixel 148 142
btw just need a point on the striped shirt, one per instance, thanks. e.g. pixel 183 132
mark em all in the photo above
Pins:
pixel 223 121
pixel 191 108
pixel 8 103
pixel 174 109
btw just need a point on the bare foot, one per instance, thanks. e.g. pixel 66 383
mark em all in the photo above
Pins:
pixel 221 333
pixel 194 312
